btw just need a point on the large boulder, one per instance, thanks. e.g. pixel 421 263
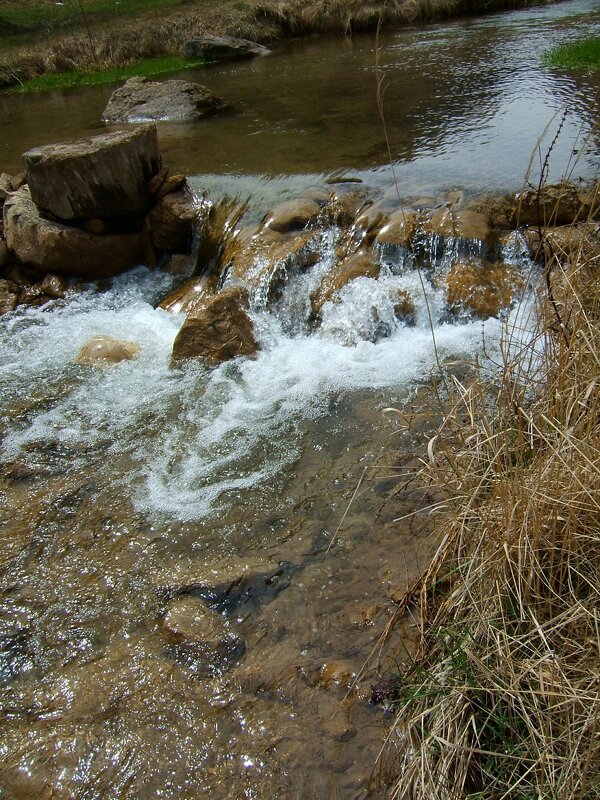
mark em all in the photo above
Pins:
pixel 222 48
pixel 142 100
pixel 102 177
pixel 223 330
pixel 64 250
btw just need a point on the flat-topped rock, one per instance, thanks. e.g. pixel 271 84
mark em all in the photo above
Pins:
pixel 222 48
pixel 62 249
pixel 101 177
pixel 142 100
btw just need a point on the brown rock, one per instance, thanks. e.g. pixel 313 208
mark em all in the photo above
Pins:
pixel 344 207
pixel 157 181
pixel 371 220
pixel 404 307
pixel 359 265
pixel 465 224
pixel 64 250
pixel 103 350
pixel 189 621
pixel 100 177
pixel 223 330
pixel 267 261
pixel 142 100
pixel 54 286
pixel 191 298
pixel 97 226
pixel 8 296
pixel 4 254
pixel 172 223
pixel 483 290
pixel 399 228
pixel 555 204
pixel 170 185
pixel 293 215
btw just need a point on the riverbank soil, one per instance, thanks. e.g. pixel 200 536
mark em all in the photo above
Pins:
pixel 39 37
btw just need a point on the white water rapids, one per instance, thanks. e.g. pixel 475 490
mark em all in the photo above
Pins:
pixel 197 438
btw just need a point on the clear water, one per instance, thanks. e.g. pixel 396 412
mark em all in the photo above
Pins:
pixel 124 486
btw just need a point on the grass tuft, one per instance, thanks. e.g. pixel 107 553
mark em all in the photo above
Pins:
pixel 584 54
pixel 146 68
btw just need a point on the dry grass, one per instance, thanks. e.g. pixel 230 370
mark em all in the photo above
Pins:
pixel 503 700
pixel 88 43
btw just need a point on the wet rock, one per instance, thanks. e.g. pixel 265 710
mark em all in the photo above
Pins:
pixel 371 220
pixel 4 254
pixel 317 195
pixel 404 306
pixel 5 186
pixel 482 290
pixel 359 265
pixel 293 215
pixel 191 298
pixel 62 249
pixel 188 620
pixel 344 207
pixel 455 200
pixel 222 331
pixel 104 350
pixel 9 295
pixel 172 222
pixel 465 224
pixel 157 180
pixel 179 264
pixel 339 728
pixel 102 177
pixel 399 229
pixel 555 204
pixel 218 578
pixel 336 674
pixel 498 209
pixel 222 48
pixel 142 100
pixel 267 261
pixel 171 184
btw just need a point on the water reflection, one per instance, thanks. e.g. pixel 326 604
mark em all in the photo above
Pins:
pixel 465 103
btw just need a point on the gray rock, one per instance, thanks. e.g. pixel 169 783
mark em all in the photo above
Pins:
pixel 101 177
pixel 222 48
pixel 64 250
pixel 141 100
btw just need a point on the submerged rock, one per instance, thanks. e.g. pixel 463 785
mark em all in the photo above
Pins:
pixel 62 249
pixel 222 331
pixel 222 48
pixel 142 100
pixel 482 290
pixel 103 177
pixel 104 350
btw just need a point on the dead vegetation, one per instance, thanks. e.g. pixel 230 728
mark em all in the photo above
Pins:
pixel 88 43
pixel 503 698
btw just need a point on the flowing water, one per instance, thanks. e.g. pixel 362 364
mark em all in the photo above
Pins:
pixel 269 493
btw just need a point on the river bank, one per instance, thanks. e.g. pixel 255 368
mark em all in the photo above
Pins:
pixel 96 36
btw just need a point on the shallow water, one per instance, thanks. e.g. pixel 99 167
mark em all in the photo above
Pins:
pixel 271 492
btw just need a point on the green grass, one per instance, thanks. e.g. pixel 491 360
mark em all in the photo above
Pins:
pixel 146 67
pixel 33 15
pixel 584 54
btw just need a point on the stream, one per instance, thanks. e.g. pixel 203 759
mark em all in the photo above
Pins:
pixel 269 494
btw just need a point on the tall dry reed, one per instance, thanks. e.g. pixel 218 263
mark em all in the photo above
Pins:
pixel 503 697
